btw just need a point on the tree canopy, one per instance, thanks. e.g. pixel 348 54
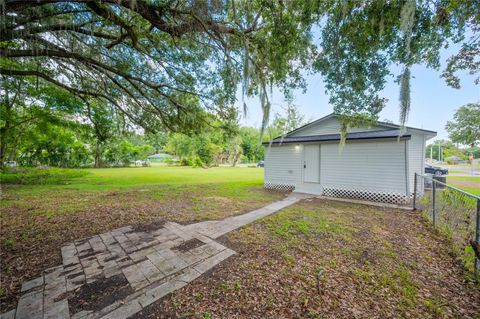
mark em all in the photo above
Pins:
pixel 158 60
pixel 465 126
pixel 168 65
pixel 361 40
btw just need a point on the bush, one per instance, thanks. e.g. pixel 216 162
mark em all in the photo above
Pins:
pixel 171 161
pixel 40 176
pixel 197 162
pixel 186 162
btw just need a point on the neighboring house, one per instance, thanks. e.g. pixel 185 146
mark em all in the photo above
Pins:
pixel 160 156
pixel 375 163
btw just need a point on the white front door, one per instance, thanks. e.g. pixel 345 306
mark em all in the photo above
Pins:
pixel 311 171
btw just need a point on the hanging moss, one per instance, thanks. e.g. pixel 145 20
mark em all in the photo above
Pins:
pixel 407 17
pixel 404 95
pixel 356 120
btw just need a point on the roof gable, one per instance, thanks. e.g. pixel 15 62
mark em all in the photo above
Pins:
pixel 331 125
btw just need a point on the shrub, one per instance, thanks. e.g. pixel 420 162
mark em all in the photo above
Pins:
pixel 197 162
pixel 186 162
pixel 172 161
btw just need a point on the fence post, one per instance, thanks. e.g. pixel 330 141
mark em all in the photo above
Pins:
pixel 477 239
pixel 434 208
pixel 415 192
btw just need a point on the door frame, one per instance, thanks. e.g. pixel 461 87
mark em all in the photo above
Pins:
pixel 303 163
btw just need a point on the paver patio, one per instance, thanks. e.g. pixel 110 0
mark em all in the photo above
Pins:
pixel 152 263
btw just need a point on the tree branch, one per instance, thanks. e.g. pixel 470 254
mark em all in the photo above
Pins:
pixel 25 33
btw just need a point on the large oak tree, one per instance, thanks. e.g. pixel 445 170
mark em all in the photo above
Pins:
pixel 159 60
pixel 465 126
pixel 162 62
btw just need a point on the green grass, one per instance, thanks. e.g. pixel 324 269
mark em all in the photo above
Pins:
pixel 47 208
pixel 455 171
pixel 55 192
pixel 464 166
pixel 34 176
pixel 301 221
pixel 329 259
pixel 121 178
pixel 469 184
pixel 465 178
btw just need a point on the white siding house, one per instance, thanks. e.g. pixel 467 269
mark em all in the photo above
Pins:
pixel 376 163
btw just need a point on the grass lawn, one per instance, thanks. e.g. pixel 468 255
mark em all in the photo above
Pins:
pixel 36 219
pixel 461 166
pixel 469 184
pixel 455 171
pixel 375 263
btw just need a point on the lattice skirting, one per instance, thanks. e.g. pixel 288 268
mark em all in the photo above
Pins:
pixel 279 186
pixel 419 195
pixel 384 197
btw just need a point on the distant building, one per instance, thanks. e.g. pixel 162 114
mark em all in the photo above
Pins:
pixel 160 156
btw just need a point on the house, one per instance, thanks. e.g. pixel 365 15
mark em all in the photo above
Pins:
pixel 376 163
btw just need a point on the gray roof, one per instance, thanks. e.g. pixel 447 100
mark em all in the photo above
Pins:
pixel 336 137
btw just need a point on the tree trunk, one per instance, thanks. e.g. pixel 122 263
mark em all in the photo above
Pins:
pixel 235 158
pixel 3 145
pixel 98 163
pixel 5 130
pixel 11 156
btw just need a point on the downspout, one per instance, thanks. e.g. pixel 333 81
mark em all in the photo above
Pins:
pixel 422 168
pixel 264 164
pixel 407 182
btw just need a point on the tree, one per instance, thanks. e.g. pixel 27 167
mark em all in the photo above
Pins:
pixel 25 106
pixel 157 140
pixel 104 123
pixel 465 126
pixel 158 60
pixel 440 149
pixel 361 40
pixel 163 63
pixel 251 147
pixel 52 141
pixel 282 124
pixel 12 106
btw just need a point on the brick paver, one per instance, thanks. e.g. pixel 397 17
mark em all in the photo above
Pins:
pixel 148 260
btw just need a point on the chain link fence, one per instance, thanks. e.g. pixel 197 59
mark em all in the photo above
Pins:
pixel 454 213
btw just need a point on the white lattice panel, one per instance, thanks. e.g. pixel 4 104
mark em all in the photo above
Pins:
pixel 281 187
pixel 384 197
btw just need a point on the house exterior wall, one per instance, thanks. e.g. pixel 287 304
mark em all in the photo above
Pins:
pixel 376 169
pixel 283 166
pixel 373 170
pixel 416 157
pixel 369 170
pixel 331 126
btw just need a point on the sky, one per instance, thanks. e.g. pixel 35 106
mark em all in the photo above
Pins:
pixel 433 103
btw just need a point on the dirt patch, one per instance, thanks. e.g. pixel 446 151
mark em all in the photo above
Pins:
pixel 34 225
pixel 224 200
pixel 99 294
pixel 148 227
pixel 466 184
pixel 188 245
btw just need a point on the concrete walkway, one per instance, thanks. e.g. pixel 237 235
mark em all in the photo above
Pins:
pixel 151 264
